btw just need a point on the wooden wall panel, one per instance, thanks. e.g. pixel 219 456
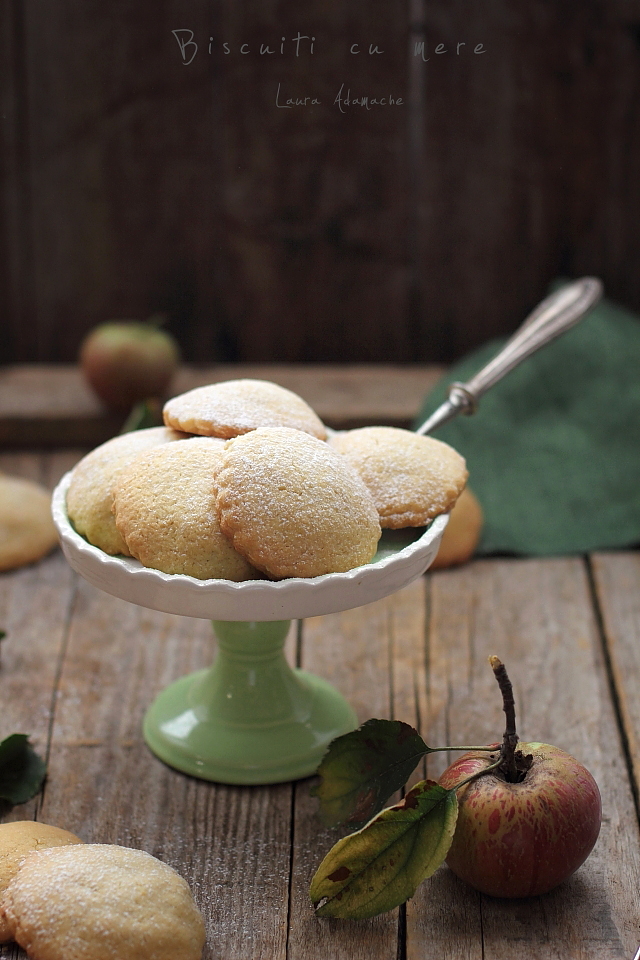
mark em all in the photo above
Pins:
pixel 133 183
pixel 121 164
pixel 15 248
pixel 315 199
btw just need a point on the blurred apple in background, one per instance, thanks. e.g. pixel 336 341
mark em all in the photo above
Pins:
pixel 126 361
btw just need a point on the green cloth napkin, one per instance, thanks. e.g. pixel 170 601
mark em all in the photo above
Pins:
pixel 554 449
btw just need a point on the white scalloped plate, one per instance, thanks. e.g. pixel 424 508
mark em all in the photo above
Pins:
pixel 395 566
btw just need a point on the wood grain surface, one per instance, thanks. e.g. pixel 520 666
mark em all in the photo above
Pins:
pixel 78 669
pixel 133 181
pixel 617 585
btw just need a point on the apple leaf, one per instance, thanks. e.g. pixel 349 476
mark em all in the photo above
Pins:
pixel 362 769
pixel 381 866
pixel 147 413
pixel 22 771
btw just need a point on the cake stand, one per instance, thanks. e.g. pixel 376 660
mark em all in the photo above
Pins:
pixel 250 718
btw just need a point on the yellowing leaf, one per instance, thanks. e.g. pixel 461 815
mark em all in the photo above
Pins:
pixel 381 866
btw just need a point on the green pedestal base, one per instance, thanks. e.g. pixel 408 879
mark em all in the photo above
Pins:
pixel 250 718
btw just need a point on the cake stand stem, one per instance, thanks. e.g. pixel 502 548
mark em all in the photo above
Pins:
pixel 250 718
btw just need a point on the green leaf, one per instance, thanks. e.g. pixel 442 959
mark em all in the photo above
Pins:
pixel 22 771
pixel 381 866
pixel 362 769
pixel 147 413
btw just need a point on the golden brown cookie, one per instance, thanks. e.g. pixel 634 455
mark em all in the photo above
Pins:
pixel 27 532
pixel 412 479
pixel 90 493
pixel 102 902
pixel 292 506
pixel 17 839
pixel 462 533
pixel 164 509
pixel 234 407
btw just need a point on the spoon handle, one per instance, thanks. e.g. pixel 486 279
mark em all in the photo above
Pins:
pixel 553 316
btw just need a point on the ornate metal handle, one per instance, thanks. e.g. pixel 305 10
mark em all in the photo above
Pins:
pixel 553 316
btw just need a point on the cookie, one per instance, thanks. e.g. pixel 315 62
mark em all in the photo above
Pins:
pixel 17 839
pixel 102 902
pixel 462 533
pixel 292 506
pixel 90 493
pixel 164 509
pixel 412 479
pixel 234 407
pixel 27 532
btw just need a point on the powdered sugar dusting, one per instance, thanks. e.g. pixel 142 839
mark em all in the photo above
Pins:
pixel 293 506
pixel 90 494
pixel 411 478
pixel 102 902
pixel 235 407
pixel 165 510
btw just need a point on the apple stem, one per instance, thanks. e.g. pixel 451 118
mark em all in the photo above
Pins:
pixel 513 765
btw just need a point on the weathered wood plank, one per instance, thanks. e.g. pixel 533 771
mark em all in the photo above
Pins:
pixel 231 844
pixel 35 609
pixel 537 616
pixel 51 406
pixel 617 583
pixel 352 650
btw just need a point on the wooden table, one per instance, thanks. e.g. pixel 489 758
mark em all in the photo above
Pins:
pixel 78 669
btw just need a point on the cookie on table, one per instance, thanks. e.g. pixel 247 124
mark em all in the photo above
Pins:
pixel 412 479
pixel 234 407
pixel 102 902
pixel 17 839
pixel 462 533
pixel 164 509
pixel 27 532
pixel 292 506
pixel 90 493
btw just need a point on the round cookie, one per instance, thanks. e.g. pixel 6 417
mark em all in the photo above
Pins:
pixel 90 493
pixel 27 532
pixel 292 506
pixel 234 407
pixel 17 839
pixel 462 533
pixel 412 479
pixel 102 902
pixel 164 509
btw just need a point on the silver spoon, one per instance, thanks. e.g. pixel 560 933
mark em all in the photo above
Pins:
pixel 553 316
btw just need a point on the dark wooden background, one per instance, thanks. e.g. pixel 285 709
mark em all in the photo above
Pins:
pixel 133 183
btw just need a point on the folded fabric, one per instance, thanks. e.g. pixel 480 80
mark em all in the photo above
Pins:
pixel 554 449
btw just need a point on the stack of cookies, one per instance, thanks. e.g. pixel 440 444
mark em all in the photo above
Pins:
pixel 243 482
